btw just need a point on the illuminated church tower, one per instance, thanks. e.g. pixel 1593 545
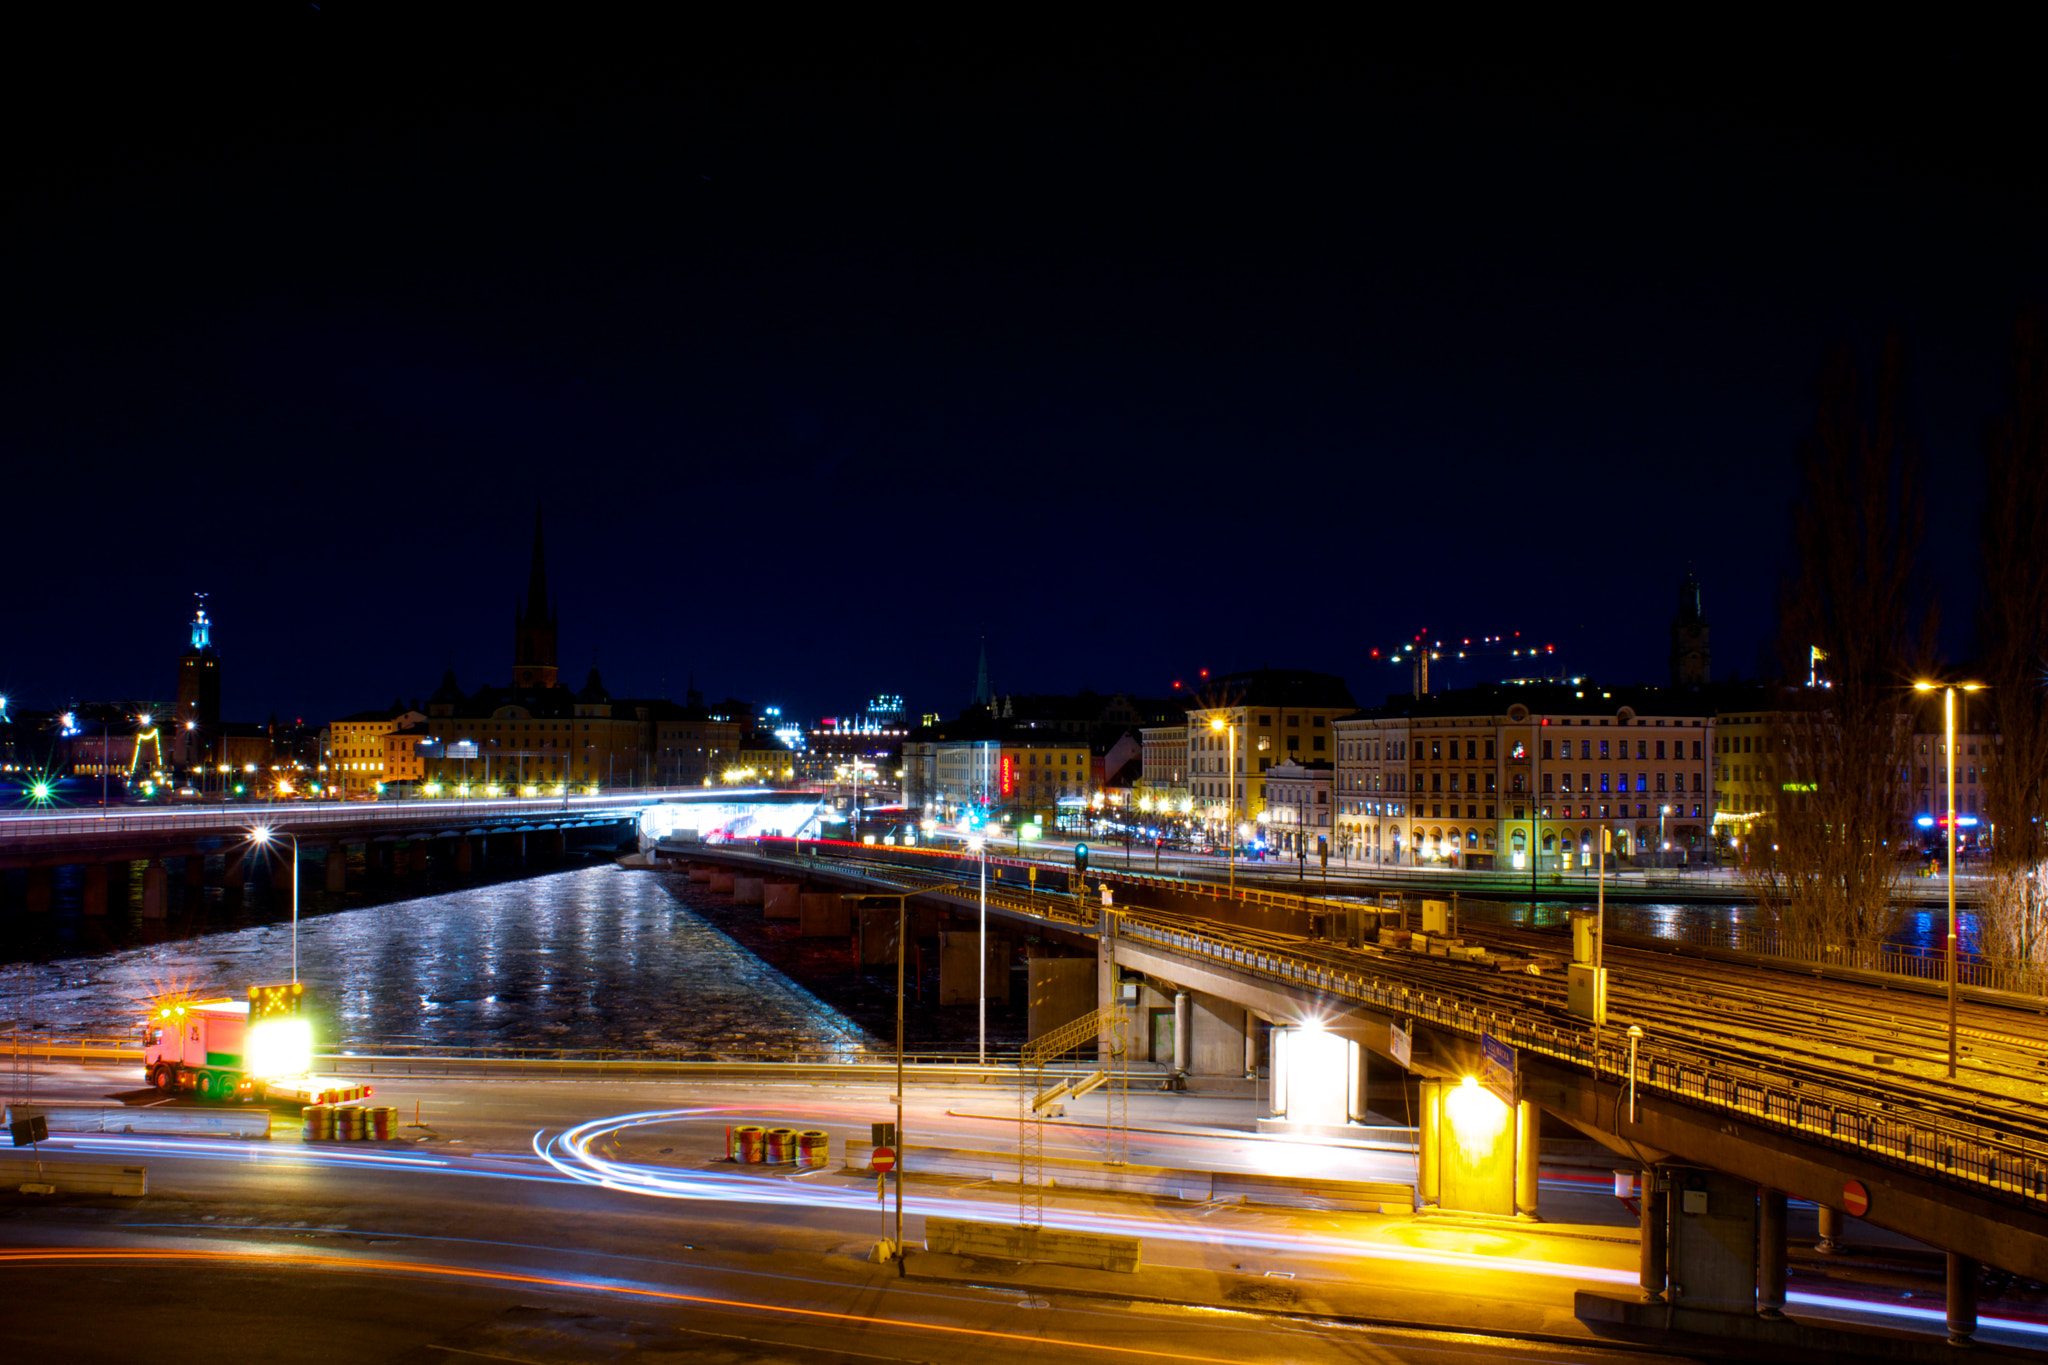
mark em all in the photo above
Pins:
pixel 533 651
pixel 198 714
pixel 1692 658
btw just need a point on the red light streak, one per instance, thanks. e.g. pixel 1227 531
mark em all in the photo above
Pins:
pixel 379 1266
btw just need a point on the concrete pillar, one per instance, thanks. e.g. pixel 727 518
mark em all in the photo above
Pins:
pixel 1656 1232
pixel 39 890
pixel 416 856
pixel 95 889
pixel 1106 997
pixel 1962 1299
pixel 522 848
pixel 1428 1174
pixel 1528 1150
pixel 1183 1016
pixel 1251 1045
pixel 233 870
pixel 1770 1253
pixel 195 875
pixel 1831 1239
pixel 465 857
pixel 337 868
pixel 558 843
pixel 155 882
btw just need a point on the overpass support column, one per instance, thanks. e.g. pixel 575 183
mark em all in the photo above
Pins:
pixel 155 882
pixel 464 856
pixel 1962 1299
pixel 233 871
pixel 195 877
pixel 416 856
pixel 558 843
pixel 1429 1131
pixel 1528 1147
pixel 336 871
pixel 1831 1238
pixel 39 890
pixel 1183 1015
pixel 1106 1000
pixel 1656 1233
pixel 1770 1253
pixel 95 899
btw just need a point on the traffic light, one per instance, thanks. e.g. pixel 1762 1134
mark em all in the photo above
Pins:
pixel 1080 857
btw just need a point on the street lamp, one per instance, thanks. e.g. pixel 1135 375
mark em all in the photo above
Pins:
pixel 1230 799
pixel 980 846
pixel 261 836
pixel 1948 706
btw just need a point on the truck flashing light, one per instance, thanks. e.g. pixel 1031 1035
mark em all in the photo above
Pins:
pixel 280 1047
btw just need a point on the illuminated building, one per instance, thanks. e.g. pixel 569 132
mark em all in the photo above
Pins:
pixel 1297 814
pixel 1468 778
pixel 357 759
pixel 1276 715
pixel 1163 770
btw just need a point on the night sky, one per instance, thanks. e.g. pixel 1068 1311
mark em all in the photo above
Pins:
pixel 1135 355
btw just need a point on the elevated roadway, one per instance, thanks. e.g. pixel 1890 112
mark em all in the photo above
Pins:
pixel 1802 1086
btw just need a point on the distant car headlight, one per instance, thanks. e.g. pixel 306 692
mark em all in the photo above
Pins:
pixel 280 1047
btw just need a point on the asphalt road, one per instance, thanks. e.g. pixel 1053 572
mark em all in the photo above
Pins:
pixel 466 1242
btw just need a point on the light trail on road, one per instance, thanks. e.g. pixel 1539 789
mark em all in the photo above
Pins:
pixel 371 1265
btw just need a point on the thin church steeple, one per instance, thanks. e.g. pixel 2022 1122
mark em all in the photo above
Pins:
pixel 534 629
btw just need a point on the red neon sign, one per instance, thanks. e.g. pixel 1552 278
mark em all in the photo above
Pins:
pixel 1007 782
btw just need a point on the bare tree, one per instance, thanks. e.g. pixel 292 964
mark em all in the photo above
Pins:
pixel 2013 636
pixel 1854 621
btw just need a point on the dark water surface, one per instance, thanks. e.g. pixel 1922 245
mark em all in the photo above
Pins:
pixel 592 958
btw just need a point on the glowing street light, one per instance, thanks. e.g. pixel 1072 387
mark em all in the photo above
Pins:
pixel 1230 798
pixel 1948 691
pixel 261 836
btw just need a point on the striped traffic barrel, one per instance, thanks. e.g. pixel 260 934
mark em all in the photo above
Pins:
pixel 813 1148
pixel 349 1125
pixel 319 1120
pixel 752 1139
pixel 781 1146
pixel 380 1122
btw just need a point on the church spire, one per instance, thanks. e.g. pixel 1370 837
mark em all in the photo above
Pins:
pixel 981 693
pixel 533 650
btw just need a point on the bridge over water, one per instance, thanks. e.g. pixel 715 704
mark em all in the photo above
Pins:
pixel 1748 1083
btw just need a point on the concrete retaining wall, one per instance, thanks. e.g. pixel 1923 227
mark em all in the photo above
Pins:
pixel 746 890
pixel 1054 1246
pixel 780 900
pixel 721 883
pixel 74 1177
pixel 115 1118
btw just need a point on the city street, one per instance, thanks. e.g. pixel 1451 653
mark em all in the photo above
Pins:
pixel 385 1247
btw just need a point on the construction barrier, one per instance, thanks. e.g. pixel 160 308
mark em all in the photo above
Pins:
pixel 781 1146
pixel 380 1123
pixel 813 1149
pixel 753 1141
pixel 348 1123
pixel 319 1120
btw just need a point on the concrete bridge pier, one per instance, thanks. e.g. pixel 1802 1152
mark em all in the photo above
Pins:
pixel 1962 1299
pixel 1831 1239
pixel 95 896
pixel 195 877
pixel 1770 1253
pixel 336 861
pixel 464 856
pixel 234 870
pixel 155 886
pixel 558 843
pixel 38 900
pixel 416 856
pixel 1653 1274
pixel 376 856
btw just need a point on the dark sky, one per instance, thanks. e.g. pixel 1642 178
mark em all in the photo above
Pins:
pixel 1136 353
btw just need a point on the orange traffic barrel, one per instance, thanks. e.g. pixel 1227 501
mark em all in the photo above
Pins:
pixel 781 1146
pixel 753 1138
pixel 319 1120
pixel 380 1123
pixel 351 1126
pixel 813 1148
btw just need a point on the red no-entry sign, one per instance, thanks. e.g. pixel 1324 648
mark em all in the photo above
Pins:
pixel 1855 1199
pixel 884 1159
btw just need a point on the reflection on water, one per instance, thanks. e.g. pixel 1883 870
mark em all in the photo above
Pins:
pixel 596 958
pixel 1921 930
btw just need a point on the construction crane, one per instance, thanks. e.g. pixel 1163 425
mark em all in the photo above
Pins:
pixel 1417 653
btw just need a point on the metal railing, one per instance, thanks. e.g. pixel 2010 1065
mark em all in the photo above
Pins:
pixel 1893 959
pixel 292 815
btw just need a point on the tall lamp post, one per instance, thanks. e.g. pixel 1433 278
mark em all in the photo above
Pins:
pixel 261 836
pixel 980 846
pixel 1948 707
pixel 1230 800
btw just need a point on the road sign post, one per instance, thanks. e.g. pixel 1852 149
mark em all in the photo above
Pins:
pixel 1497 1069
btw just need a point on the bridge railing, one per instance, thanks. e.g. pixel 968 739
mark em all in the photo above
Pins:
pixel 294 816
pixel 1809 1104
